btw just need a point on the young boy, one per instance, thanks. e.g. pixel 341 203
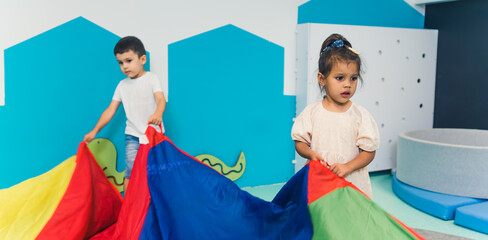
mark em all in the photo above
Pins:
pixel 142 97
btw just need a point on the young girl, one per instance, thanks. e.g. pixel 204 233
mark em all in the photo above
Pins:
pixel 336 131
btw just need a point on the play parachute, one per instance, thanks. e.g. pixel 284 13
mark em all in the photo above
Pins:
pixel 175 196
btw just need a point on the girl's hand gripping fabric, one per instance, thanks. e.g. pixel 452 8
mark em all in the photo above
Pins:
pixel 340 170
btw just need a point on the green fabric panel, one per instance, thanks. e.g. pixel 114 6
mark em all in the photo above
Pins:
pixel 345 213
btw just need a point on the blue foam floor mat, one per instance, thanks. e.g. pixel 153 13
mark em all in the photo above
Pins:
pixel 439 205
pixel 473 216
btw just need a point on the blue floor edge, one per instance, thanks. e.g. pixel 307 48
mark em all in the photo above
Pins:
pixel 439 205
pixel 473 216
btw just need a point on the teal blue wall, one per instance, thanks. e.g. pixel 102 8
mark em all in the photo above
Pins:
pixel 56 86
pixel 379 13
pixel 226 89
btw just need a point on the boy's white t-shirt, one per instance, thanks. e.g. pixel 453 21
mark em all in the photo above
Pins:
pixel 137 96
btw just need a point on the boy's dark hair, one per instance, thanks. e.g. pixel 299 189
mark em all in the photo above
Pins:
pixel 130 43
pixel 330 54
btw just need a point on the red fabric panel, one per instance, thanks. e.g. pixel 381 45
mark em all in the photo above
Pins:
pixel 155 137
pixel 91 203
pixel 106 234
pixel 136 200
pixel 322 181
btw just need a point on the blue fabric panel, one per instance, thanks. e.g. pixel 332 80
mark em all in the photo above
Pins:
pixel 150 229
pixel 189 200
pixel 436 204
pixel 294 197
pixel 473 216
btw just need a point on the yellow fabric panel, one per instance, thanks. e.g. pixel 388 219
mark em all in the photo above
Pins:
pixel 26 207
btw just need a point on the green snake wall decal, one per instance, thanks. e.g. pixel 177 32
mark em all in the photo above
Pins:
pixel 105 153
pixel 232 173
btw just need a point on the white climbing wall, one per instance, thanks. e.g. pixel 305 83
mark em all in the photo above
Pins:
pixel 399 67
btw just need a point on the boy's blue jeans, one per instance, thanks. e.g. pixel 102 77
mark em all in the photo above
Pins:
pixel 131 147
